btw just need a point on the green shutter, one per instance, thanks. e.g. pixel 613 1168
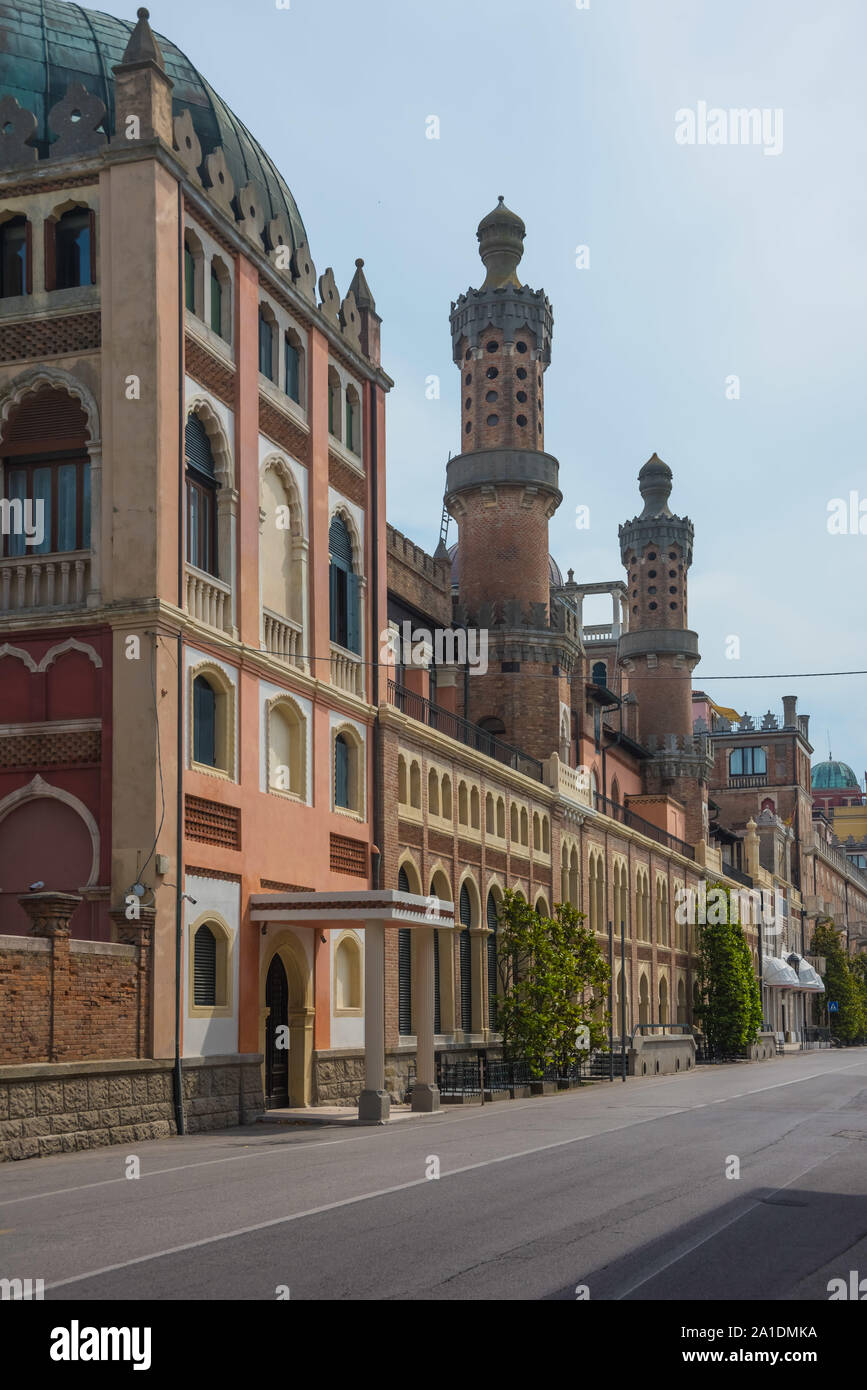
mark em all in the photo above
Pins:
pixel 205 968
pixel 353 616
pixel 404 980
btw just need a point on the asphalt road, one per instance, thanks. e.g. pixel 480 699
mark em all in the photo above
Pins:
pixel 621 1188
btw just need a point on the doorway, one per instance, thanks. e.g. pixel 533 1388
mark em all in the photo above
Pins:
pixel 276 1033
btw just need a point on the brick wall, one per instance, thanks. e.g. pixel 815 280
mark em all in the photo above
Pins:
pixel 67 1000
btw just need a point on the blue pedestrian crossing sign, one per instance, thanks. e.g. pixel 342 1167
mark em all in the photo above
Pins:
pixel 833 1007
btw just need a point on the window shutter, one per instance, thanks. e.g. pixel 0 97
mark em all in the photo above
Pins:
pixel 49 233
pixel 205 968
pixel 341 772
pixel 91 236
pixel 437 1015
pixel 492 961
pixel 332 601
pixel 404 980
pixel 466 962
pixel 403 882
pixel 353 625
pixel 198 447
pixel 28 256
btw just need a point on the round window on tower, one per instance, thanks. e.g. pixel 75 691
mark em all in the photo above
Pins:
pixel 468 379
pixel 651 574
pixel 468 402
pixel 521 347
pixel 493 420
pixel 651 589
pixel 672 574
pixel 468 354
pixel 492 346
pixel 652 555
pixel 672 554
pixel 521 396
pixel 521 373
pixel 651 605
pixel 468 426
pixel 522 420
pixel 672 605
pixel 672 589
pixel 491 396
pixel 491 373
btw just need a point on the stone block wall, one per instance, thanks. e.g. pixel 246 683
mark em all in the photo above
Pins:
pixel 68 1106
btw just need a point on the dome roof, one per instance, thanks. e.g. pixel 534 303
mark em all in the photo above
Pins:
pixel 47 44
pixel 554 575
pixel 833 776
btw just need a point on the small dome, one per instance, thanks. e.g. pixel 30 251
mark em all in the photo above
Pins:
pixel 501 246
pixel 833 776
pixel 554 575
pixel 47 44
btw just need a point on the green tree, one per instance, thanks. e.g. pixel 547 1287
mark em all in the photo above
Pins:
pixel 553 979
pixel 841 985
pixel 730 1006
pixel 858 967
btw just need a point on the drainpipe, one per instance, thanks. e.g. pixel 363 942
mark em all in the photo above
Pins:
pixel 378 800
pixel 179 900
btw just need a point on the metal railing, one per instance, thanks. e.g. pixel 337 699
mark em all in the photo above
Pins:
pixel 737 874
pixel 645 827
pixel 815 1037
pixel 417 707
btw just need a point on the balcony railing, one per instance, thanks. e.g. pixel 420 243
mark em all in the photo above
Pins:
pixel 347 672
pixel 417 707
pixel 645 827
pixel 43 581
pixel 208 599
pixel 744 779
pixel 281 637
pixel 737 874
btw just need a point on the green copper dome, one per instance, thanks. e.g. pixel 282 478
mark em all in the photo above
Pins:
pixel 47 44
pixel 834 777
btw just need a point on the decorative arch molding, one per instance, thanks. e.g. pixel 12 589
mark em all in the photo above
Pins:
pixel 38 788
pixel 58 380
pixel 202 406
pixel 467 880
pixel 225 939
pixel 349 941
pixel 413 872
pixel 8 650
pixel 299 976
pixel 438 870
pixel 279 464
pixel 71 644
pixel 227 728
pixel 495 886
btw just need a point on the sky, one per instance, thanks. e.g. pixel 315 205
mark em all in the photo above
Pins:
pixel 708 262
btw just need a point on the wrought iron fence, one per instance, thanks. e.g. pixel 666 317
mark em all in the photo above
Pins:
pixel 417 707
pixel 645 827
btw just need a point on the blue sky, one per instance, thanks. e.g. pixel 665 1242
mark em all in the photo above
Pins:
pixel 705 262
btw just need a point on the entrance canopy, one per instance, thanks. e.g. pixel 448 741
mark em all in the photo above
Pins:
pixel 778 972
pixel 384 905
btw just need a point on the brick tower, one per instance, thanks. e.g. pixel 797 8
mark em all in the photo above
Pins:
pixel 502 490
pixel 660 652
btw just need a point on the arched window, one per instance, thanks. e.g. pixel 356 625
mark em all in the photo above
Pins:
pixel 525 826
pixel 438 1023
pixel 347 976
pixel 46 474
pixel 353 420
pixel 189 276
pixel 433 793
pixel 205 968
pixel 643 1000
pixel 493 977
pixel 401 781
pixel 16 270
pixel 286 749
pixel 333 403
pixel 341 771
pixel 201 480
pixel 266 342
pixel 292 380
pixel 513 822
pixel 415 786
pixel 501 818
pixel 343 596
pixel 463 804
pixel 70 250
pixel 546 836
pixel 475 817
pixel 404 966
pixel 221 300
pixel 599 676
pixel 489 814
pixel 615 792
pixel 466 961
pixel 204 722
pixel 663 999
pixel 537 831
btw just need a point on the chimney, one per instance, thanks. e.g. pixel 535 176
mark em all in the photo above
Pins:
pixel 789 705
pixel 804 726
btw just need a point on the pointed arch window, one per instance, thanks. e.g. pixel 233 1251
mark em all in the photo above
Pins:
pixel 404 966
pixel 341 772
pixel 201 482
pixel 492 962
pixel 204 722
pixel 343 588
pixel 70 250
pixel 46 474
pixel 466 961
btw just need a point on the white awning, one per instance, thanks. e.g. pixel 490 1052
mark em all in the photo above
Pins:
pixel 778 972
pixel 808 978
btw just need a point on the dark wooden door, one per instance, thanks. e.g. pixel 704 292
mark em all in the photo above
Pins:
pixel 276 1058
